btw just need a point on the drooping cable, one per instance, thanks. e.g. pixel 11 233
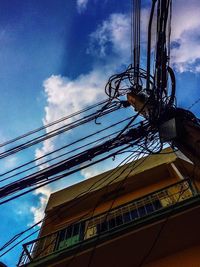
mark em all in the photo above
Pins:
pixel 112 203
pixel 97 184
pixel 100 200
pixel 23 239
pixel 44 175
pixel 57 131
pixel 133 158
pixel 135 165
pixel 61 148
pixel 53 123
pixel 59 177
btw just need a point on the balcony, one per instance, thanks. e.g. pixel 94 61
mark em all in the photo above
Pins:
pixel 123 217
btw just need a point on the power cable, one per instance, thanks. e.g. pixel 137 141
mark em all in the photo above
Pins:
pixel 53 123
pixel 109 210
pixel 55 132
pixel 43 175
pixel 62 176
pixel 37 187
pixel 93 251
pixel 77 197
pixel 193 104
pixel 23 232
pixel 126 167
pixel 59 149
pixel 96 205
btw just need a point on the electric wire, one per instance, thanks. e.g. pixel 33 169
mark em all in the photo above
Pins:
pixel 91 213
pixel 32 189
pixel 78 196
pixel 43 175
pixel 139 154
pixel 64 154
pixel 55 132
pixel 34 226
pixel 133 155
pixel 39 222
pixel 122 76
pixel 61 148
pixel 109 210
pixel 113 201
pixel 52 180
pixel 53 123
pixel 55 178
pixel 193 104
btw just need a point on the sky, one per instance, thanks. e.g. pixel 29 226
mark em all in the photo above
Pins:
pixel 55 59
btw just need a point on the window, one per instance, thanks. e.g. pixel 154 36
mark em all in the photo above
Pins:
pixel 114 218
pixel 70 235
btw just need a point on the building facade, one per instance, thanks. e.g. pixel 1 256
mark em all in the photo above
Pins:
pixel 145 213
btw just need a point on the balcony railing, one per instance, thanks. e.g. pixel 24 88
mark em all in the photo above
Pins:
pixel 129 213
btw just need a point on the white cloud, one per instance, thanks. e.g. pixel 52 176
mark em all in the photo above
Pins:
pixel 185 35
pixel 81 5
pixel 64 97
pixel 10 162
pixel 7 162
pixel 43 194
pixel 38 211
pixel 97 169
pixel 103 166
pixel 47 146
pixel 112 36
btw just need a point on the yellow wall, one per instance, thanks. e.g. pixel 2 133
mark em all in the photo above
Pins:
pixel 141 182
pixel 67 194
pixel 68 219
pixel 133 195
pixel 155 175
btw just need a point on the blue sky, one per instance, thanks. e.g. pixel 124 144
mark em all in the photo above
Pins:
pixel 55 58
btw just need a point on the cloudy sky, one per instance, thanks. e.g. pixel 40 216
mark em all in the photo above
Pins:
pixel 55 58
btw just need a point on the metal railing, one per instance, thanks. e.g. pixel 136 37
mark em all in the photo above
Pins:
pixel 84 230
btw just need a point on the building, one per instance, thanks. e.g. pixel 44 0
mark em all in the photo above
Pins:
pixel 145 213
